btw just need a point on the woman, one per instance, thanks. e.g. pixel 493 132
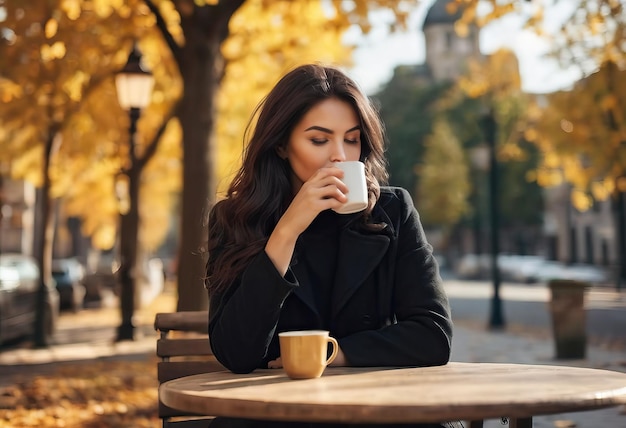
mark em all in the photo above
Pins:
pixel 281 259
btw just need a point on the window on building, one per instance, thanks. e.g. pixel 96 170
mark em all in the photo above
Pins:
pixel 449 39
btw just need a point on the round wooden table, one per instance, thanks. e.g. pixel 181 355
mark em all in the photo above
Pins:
pixel 456 391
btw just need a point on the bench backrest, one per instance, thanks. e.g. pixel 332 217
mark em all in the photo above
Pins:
pixel 183 350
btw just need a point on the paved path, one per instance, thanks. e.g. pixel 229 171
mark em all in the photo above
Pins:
pixel 528 306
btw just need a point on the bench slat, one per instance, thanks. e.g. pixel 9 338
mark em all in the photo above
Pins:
pixel 182 347
pixel 188 338
pixel 168 370
pixel 197 321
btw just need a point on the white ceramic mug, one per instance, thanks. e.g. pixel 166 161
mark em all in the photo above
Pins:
pixel 354 178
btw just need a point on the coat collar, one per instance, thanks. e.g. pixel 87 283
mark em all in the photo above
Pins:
pixel 359 254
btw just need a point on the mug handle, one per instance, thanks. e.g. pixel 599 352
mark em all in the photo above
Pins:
pixel 335 349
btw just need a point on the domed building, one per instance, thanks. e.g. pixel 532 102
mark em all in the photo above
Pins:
pixel 447 53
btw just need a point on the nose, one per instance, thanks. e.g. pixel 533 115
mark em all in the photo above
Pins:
pixel 338 153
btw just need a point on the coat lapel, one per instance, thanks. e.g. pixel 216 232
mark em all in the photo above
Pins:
pixel 359 255
pixel 304 291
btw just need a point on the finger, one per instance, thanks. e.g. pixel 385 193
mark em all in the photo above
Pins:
pixel 333 192
pixel 328 184
pixel 322 174
pixel 275 364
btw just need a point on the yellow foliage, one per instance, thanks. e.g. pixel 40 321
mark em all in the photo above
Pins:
pixel 104 235
pixel 601 190
pixel 580 200
pixel 72 8
pixel 530 134
pixel 596 24
pixel 54 51
pixel 64 87
pixel 27 167
pixel 510 152
pixel 9 90
pixel 609 102
pixel 104 8
pixel 495 78
pixel 549 177
pixel 51 28
pixel 581 132
pixel 75 84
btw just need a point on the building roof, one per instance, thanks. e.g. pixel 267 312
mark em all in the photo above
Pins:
pixel 438 14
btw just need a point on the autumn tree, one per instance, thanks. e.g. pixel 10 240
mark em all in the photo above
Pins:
pixel 444 183
pixel 57 87
pixel 591 39
pixel 582 138
pixel 46 73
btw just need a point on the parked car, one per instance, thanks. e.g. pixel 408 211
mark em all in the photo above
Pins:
pixel 19 284
pixel 68 275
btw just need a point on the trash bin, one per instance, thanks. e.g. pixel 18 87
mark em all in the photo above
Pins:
pixel 569 318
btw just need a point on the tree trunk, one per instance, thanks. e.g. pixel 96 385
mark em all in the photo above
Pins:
pixel 43 252
pixel 202 72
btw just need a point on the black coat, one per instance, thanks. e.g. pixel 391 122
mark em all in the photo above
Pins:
pixel 389 307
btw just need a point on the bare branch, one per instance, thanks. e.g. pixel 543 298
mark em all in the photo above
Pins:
pixel 162 26
pixel 154 144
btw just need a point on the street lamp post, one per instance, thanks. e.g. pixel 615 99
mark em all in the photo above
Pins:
pixel 134 89
pixel 496 317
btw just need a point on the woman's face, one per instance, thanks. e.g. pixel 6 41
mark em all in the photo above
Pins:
pixel 329 132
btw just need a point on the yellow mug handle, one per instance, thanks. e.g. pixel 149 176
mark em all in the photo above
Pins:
pixel 335 349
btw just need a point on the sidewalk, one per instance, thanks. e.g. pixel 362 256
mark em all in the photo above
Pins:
pixel 89 335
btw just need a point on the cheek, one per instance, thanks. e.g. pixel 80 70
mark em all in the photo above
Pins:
pixel 304 161
pixel 306 164
pixel 353 152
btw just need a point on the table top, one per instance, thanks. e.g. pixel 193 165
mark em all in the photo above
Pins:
pixel 456 391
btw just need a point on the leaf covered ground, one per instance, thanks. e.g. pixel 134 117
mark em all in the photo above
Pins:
pixel 104 394
pixel 107 390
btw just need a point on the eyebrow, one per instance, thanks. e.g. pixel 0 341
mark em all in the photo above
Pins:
pixel 329 131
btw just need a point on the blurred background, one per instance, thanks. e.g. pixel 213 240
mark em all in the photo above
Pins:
pixel 121 123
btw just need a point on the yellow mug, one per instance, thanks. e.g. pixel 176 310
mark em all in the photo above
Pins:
pixel 304 352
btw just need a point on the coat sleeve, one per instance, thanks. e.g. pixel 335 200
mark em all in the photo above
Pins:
pixel 242 320
pixel 421 330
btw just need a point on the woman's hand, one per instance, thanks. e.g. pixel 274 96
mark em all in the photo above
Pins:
pixel 324 190
pixel 275 364
pixel 340 359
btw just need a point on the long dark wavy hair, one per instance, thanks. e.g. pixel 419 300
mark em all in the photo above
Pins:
pixel 261 191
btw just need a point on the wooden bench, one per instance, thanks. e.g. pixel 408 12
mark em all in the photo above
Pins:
pixel 183 349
